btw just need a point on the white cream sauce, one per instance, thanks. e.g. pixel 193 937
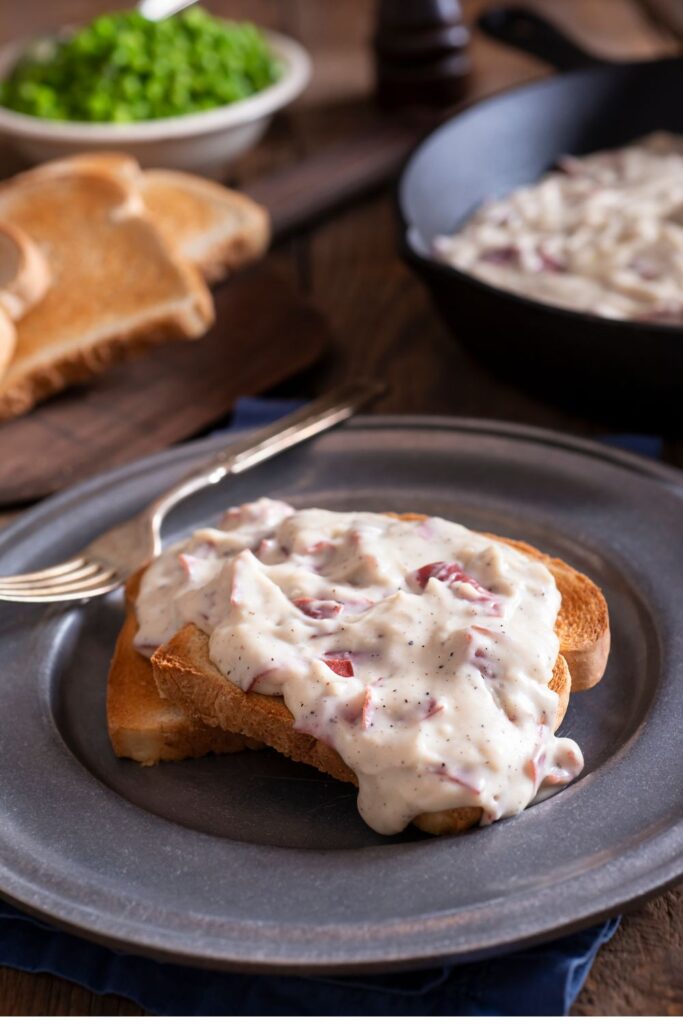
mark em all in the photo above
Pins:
pixel 603 235
pixel 418 650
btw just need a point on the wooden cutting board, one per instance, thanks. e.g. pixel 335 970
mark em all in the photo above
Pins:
pixel 264 334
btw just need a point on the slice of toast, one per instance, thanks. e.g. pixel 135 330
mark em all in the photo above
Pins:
pixel 214 228
pixel 142 724
pixel 582 621
pixel 24 279
pixel 185 675
pixel 116 288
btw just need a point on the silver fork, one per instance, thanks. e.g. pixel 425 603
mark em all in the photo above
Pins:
pixel 106 563
pixel 157 10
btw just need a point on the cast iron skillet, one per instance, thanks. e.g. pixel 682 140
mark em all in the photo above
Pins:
pixel 624 368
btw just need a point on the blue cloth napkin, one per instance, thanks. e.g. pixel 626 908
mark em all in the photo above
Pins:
pixel 543 980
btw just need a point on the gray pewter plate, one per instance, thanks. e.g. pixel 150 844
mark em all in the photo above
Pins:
pixel 253 862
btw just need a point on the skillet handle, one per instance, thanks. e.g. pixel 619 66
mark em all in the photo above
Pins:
pixel 526 31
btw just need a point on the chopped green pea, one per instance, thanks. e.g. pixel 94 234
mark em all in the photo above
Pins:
pixel 123 68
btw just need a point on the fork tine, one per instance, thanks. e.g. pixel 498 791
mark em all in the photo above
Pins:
pixel 100 573
pixel 81 575
pixel 44 574
pixel 57 598
pixel 101 583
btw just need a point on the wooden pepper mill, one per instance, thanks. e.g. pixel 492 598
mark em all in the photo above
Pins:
pixel 421 53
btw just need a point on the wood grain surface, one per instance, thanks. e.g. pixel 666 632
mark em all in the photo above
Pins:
pixel 382 320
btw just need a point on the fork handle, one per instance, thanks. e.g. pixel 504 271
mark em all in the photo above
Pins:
pixel 325 412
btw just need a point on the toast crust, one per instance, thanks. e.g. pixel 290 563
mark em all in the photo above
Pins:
pixel 185 675
pixel 217 229
pixel 108 161
pixel 8 340
pixel 24 274
pixel 142 725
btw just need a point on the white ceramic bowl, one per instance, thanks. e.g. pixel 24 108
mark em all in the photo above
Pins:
pixel 206 143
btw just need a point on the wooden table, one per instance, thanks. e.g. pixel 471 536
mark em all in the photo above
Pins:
pixel 384 323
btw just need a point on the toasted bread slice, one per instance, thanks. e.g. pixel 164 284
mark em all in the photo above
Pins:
pixel 185 675
pixel 217 229
pixel 116 288
pixel 144 726
pixel 24 273
pixel 582 622
pixel 24 279
pixel 214 228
